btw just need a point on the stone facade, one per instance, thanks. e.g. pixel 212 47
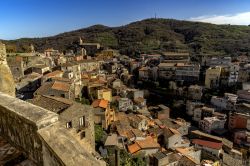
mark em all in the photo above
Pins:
pixel 74 114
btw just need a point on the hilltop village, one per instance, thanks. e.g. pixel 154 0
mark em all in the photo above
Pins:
pixel 152 109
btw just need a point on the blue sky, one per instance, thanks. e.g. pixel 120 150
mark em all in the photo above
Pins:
pixel 38 18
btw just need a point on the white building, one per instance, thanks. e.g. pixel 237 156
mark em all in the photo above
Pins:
pixel 213 148
pixel 209 124
pixel 226 102
pixel 233 74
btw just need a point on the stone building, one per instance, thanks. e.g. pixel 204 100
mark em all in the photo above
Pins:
pixel 91 48
pixel 51 52
pixel 72 115
pixel 17 67
pixel 195 92
pixel 191 106
pixel 187 72
pixel 166 158
pixel 176 57
pixel 89 65
pixel 105 94
pixel 213 61
pixel 224 103
pixel 56 88
pixel 179 71
pixel 232 157
pixel 146 147
pixel 41 69
pixel 244 74
pixel 239 120
pixel 173 139
pixel 166 71
pixel 144 73
pixel 125 104
pixel 139 122
pixel 73 69
pixel 214 148
pixel 103 114
pixel 209 124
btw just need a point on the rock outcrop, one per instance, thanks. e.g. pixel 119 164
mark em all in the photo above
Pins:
pixel 7 84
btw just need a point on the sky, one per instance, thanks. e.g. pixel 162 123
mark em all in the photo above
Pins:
pixel 41 18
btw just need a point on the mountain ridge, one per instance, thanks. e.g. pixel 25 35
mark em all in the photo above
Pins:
pixel 150 36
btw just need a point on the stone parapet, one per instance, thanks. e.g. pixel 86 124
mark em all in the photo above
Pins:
pixel 38 133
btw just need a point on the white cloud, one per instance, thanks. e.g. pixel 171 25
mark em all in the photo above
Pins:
pixel 236 19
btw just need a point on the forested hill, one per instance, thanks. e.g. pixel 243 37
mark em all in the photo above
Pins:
pixel 150 36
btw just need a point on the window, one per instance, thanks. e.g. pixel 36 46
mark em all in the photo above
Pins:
pixel 82 135
pixel 82 121
pixel 69 125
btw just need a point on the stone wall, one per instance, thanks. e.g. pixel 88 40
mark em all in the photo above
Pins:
pixel 7 84
pixel 19 122
pixel 38 133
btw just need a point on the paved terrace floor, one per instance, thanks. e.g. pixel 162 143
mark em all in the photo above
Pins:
pixel 10 156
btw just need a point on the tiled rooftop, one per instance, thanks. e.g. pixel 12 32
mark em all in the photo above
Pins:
pixel 208 144
pixel 61 86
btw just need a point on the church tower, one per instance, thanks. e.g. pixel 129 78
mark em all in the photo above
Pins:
pixel 80 41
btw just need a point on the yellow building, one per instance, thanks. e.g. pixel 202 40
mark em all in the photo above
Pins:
pixel 105 94
pixel 109 117
pixel 213 75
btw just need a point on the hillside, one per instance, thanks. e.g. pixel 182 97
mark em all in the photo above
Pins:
pixel 150 35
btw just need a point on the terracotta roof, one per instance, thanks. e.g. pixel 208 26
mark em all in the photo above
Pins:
pixel 205 135
pixel 60 99
pixel 100 103
pixel 133 148
pixel 56 105
pixel 61 79
pixel 128 133
pixel 96 103
pixel 54 73
pixel 209 144
pixel 148 143
pixel 44 88
pixel 61 86
pixel 123 130
pixel 103 103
